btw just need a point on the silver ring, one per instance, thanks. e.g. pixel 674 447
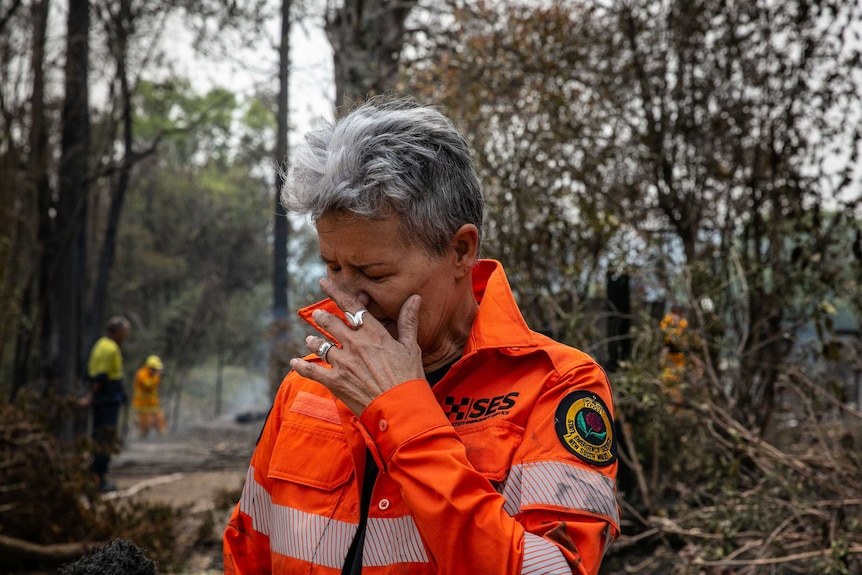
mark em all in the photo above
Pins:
pixel 323 350
pixel 355 320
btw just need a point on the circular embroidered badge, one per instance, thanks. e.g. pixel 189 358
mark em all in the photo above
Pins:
pixel 585 427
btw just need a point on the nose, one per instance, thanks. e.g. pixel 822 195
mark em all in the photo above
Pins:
pixel 353 284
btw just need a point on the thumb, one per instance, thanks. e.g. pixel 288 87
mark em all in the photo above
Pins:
pixel 408 321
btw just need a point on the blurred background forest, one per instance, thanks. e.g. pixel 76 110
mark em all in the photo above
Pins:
pixel 635 154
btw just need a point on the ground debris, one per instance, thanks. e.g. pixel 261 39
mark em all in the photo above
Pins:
pixel 51 512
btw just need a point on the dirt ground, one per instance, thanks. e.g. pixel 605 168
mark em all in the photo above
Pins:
pixel 189 468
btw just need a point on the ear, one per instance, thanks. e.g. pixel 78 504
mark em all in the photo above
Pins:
pixel 465 244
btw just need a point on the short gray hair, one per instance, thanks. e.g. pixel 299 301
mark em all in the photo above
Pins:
pixel 389 155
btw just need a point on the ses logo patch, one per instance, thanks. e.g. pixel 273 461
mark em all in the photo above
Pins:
pixel 584 425
pixel 465 410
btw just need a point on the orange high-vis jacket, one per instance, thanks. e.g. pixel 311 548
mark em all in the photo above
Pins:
pixel 506 466
pixel 146 394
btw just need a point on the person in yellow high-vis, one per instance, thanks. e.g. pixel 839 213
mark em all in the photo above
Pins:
pixel 105 396
pixel 145 400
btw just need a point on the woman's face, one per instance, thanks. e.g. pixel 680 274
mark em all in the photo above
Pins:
pixel 368 258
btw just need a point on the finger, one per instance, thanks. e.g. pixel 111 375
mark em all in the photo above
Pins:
pixel 331 324
pixel 313 343
pixel 309 370
pixel 345 300
pixel 408 321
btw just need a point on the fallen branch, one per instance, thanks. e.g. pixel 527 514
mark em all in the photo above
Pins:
pixel 51 554
pixel 146 484
pixel 797 375
pixel 668 526
pixel 856 549
pixel 633 461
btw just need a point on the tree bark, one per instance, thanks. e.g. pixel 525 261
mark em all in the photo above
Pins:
pixel 7 14
pixel 63 264
pixel 24 323
pixel 367 38
pixel 278 364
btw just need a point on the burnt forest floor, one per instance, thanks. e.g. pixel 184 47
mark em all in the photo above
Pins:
pixel 196 469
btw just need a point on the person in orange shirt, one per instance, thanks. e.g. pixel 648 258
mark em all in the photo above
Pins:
pixel 430 431
pixel 145 399
pixel 674 351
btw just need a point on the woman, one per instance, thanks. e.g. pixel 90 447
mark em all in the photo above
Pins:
pixel 430 431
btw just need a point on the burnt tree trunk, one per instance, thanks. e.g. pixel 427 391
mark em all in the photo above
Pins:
pixel 26 321
pixel 64 262
pixel 367 38
pixel 278 362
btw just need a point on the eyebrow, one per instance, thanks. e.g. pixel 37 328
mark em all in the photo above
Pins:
pixel 361 267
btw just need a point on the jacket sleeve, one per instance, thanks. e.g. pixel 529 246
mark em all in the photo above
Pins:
pixel 532 527
pixel 246 538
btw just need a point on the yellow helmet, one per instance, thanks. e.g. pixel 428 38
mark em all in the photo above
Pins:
pixel 155 362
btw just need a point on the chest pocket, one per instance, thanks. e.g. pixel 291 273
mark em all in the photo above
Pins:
pixel 310 466
pixel 491 446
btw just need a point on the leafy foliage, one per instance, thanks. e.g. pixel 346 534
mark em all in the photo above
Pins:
pixel 698 148
pixel 196 234
pixel 510 76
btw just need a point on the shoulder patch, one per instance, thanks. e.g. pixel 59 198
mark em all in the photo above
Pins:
pixel 585 428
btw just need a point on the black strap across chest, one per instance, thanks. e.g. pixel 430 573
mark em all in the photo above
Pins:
pixel 353 562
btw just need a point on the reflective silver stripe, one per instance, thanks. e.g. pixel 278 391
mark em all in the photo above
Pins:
pixel 559 484
pixel 390 541
pixel 313 538
pixel 256 503
pixel 305 536
pixel 324 541
pixel 543 557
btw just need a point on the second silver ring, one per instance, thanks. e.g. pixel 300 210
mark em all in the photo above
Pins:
pixel 323 349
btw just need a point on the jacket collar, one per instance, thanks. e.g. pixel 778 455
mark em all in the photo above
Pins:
pixel 498 323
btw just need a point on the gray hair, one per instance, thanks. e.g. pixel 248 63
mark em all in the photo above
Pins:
pixel 389 156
